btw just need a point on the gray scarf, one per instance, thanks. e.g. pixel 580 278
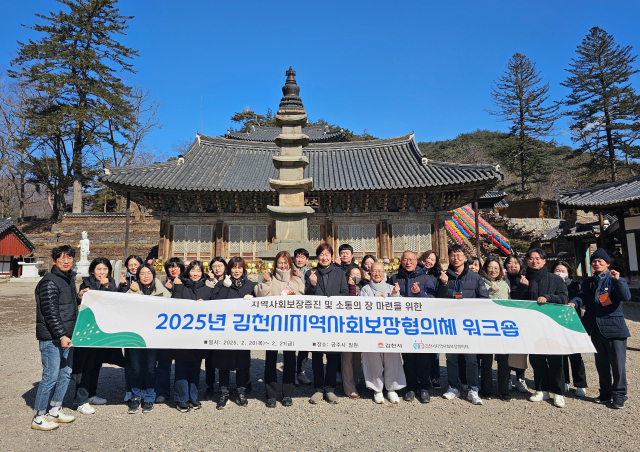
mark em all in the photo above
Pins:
pixel 379 288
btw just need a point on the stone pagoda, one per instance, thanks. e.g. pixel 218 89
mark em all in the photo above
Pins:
pixel 291 214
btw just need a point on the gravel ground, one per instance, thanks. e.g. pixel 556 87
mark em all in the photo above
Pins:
pixel 351 425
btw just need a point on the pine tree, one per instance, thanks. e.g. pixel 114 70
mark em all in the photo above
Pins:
pixel 75 70
pixel 521 101
pixel 607 110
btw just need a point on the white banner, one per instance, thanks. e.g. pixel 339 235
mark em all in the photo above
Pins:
pixel 334 324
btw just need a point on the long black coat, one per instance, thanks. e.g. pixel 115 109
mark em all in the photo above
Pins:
pixel 550 286
pixel 337 283
pixel 56 305
pixel 191 290
pixel 88 358
pixel 233 359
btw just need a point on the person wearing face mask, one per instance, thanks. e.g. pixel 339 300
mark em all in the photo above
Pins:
pixel 300 260
pixel 282 282
pixel 413 281
pixel 191 285
pixel 235 285
pixel 87 361
pixel 382 370
pixel 577 370
pixel 131 263
pixel 326 280
pixel 601 296
pixel 498 290
pixel 538 285
pixel 143 360
pixel 217 269
pixel 351 360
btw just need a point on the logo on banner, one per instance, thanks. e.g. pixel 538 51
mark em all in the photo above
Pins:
pixel 380 345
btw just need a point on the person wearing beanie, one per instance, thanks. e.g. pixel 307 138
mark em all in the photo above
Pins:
pixel 601 296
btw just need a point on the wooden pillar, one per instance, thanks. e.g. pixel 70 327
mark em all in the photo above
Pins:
pixel 218 239
pixel 622 236
pixel 126 225
pixel 475 212
pixel 442 247
pixel 162 240
pixel 601 235
pixel 384 239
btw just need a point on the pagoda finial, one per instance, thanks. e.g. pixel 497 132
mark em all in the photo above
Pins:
pixel 291 99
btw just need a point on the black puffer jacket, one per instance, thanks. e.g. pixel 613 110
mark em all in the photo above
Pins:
pixel 93 284
pixel 56 305
pixel 192 290
pixel 233 359
pixel 470 284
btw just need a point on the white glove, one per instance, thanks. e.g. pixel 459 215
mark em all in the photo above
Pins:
pixel 227 281
pixel 248 297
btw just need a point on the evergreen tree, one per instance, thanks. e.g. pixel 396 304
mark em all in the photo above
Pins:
pixel 521 101
pixel 606 114
pixel 75 71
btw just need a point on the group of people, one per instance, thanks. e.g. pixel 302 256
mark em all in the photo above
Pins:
pixel 148 371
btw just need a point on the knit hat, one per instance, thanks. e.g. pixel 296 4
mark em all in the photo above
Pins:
pixel 600 253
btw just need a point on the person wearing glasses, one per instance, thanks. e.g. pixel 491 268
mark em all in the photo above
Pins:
pixel 539 285
pixel 413 281
pixel 460 282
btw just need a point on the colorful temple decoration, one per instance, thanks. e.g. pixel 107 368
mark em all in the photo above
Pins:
pixel 463 225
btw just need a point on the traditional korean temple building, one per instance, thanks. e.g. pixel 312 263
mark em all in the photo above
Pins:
pixel 13 244
pixel 381 196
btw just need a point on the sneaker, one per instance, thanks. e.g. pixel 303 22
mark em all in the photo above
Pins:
pixel 271 403
pixel 316 398
pixel 196 405
pixel 539 396
pixel 558 401
pixel 379 398
pixel 602 400
pixel 484 395
pixel 392 396
pixel 95 400
pixel 147 407
pixel 435 383
pixel 339 378
pixel 302 378
pixel 330 397
pixel 425 397
pixel 223 401
pixel 183 407
pixel 134 405
pixel 505 397
pixel 43 424
pixel 60 417
pixel 409 396
pixel 618 404
pixel 581 392
pixel 521 385
pixel 85 408
pixel 354 395
pixel 127 396
pixel 241 399
pixel 161 399
pixel 451 393
pixel 287 401
pixel 473 397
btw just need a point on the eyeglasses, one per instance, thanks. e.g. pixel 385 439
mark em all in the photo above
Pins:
pixel 65 258
pixel 376 272
pixel 535 259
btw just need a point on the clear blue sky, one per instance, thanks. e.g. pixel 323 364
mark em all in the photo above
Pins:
pixel 389 67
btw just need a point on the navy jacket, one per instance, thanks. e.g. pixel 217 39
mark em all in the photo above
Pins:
pixel 469 283
pixel 608 319
pixel 337 283
pixel 406 279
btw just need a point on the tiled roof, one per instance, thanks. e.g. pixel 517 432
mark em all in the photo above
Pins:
pixel 316 134
pixel 493 195
pixel 217 164
pixel 611 194
pixel 7 223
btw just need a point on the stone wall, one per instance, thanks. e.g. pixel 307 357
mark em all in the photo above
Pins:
pixel 105 231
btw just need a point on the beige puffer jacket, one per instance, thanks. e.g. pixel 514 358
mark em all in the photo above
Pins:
pixel 279 281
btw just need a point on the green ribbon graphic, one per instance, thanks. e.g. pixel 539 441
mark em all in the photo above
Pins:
pixel 87 333
pixel 563 315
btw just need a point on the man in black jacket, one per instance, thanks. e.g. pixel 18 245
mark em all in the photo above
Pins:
pixel 56 312
pixel 459 282
pixel 326 280
pixel 413 281
pixel 537 284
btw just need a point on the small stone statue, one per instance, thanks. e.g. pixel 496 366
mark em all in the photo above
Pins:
pixel 84 247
